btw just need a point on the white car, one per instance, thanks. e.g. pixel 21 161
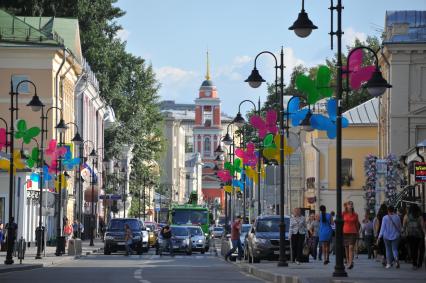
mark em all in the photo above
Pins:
pixel 218 232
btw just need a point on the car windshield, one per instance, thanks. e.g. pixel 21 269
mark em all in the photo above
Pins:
pixel 118 224
pixel 218 229
pixel 196 217
pixel 150 226
pixel 179 231
pixel 245 228
pixel 271 225
pixel 196 231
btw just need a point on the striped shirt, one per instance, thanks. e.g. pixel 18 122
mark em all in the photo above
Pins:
pixel 297 225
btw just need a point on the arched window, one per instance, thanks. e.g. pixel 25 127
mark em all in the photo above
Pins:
pixel 207 146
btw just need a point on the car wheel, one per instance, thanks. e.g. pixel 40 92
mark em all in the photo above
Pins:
pixel 255 259
pixel 107 251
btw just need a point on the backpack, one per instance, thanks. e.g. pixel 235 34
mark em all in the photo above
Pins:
pixel 413 228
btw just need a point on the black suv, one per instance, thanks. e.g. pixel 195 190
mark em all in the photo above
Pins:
pixel 263 239
pixel 114 236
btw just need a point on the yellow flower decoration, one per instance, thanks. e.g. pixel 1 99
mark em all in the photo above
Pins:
pixel 228 189
pixel 63 180
pixel 17 162
pixel 271 150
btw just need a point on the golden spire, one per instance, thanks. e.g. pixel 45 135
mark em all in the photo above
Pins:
pixel 208 67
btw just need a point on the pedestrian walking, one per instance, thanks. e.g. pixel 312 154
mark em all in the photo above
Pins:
pixel 367 234
pixel 1 235
pixel 325 232
pixel 128 239
pixel 75 227
pixel 391 232
pixel 333 238
pixel 235 239
pixel 313 229
pixel 414 231
pixel 166 235
pixel 68 231
pixel 380 249
pixel 298 235
pixel 351 228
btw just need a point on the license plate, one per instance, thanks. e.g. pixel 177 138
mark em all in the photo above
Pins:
pixel 276 252
pixel 121 243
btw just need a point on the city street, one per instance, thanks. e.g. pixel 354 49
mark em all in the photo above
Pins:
pixel 144 269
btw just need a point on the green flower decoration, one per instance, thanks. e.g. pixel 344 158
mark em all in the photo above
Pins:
pixel 34 158
pixel 315 89
pixel 232 168
pixel 26 134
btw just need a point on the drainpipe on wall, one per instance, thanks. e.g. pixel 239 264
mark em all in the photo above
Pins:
pixel 387 104
pixel 64 58
pixel 317 175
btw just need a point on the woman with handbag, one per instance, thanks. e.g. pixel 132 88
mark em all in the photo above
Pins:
pixel 391 232
pixel 414 230
pixel 297 235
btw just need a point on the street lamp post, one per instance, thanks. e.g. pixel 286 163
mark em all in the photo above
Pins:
pixel 36 105
pixel 239 121
pixel 11 229
pixel 376 86
pixel 93 155
pixel 255 80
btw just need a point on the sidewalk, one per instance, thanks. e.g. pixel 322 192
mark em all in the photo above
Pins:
pixel 50 259
pixel 364 271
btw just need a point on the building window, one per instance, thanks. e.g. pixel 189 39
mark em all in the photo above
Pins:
pixel 207 146
pixel 347 171
pixel 24 87
pixel 189 144
pixel 420 134
pixel 207 116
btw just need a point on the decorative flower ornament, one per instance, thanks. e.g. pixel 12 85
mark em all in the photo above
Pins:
pixel 269 125
pixel 317 89
pixel 25 134
pixel 358 74
pixel 17 162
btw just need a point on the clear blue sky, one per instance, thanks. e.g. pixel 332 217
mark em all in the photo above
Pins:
pixel 173 35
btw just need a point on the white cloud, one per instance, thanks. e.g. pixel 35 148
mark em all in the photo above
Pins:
pixel 233 71
pixel 123 34
pixel 350 35
pixel 175 82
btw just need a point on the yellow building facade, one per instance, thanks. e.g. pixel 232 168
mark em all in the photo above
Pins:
pixel 359 140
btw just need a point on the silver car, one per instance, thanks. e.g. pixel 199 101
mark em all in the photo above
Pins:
pixel 218 231
pixel 199 242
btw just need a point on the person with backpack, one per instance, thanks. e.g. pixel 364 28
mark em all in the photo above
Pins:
pixel 414 230
pixel 391 233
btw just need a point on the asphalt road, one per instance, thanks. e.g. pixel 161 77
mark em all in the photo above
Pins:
pixel 147 268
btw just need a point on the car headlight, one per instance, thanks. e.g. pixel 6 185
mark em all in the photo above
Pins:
pixel 108 237
pixel 200 241
pixel 260 241
pixel 206 234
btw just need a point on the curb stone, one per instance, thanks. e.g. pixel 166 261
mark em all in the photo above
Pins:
pixel 280 278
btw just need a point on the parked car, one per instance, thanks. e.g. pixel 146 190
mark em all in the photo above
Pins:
pixel 114 236
pixel 181 240
pixel 218 232
pixel 263 239
pixel 226 243
pixel 199 241
pixel 151 228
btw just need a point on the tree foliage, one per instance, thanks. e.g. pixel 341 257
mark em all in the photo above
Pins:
pixel 126 82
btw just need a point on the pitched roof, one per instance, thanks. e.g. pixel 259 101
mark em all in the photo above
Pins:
pixel 405 27
pixel 364 114
pixel 41 30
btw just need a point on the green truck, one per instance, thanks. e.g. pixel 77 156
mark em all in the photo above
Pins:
pixel 191 214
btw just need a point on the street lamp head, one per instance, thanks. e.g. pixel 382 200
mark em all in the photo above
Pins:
pixel 376 85
pixel 303 26
pixel 35 103
pixel 219 150
pixel 77 139
pixel 239 120
pixel 255 79
pixel 306 125
pixel 227 139
pixel 218 158
pixel 61 127
pixel 93 153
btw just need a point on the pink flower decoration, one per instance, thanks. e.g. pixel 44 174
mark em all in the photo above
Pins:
pixel 264 127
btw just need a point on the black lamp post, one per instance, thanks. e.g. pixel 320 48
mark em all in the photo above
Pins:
pixel 36 105
pixel 255 80
pixel 61 128
pixel 240 121
pixel 11 229
pixel 376 86
pixel 93 155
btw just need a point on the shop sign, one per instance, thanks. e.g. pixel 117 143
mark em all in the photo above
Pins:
pixel 420 172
